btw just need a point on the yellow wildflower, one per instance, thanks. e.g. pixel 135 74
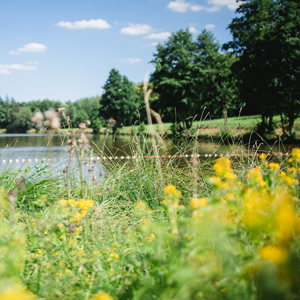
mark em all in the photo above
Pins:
pixel 146 223
pixel 222 165
pixel 114 255
pixel 274 166
pixel 15 292
pixel 253 218
pixel 255 174
pixel 166 202
pixel 219 183
pixel 262 156
pixel 296 153
pixel 101 296
pixel 140 205
pixel 60 226
pixel 152 237
pixel 275 254
pixel 170 189
pixel 289 180
pixel 63 202
pixel 77 217
pixel 292 170
pixel 46 232
pixel 71 202
pixel 229 196
pixel 281 174
pixel 285 221
pixel 223 168
pixel 39 251
pixel 197 203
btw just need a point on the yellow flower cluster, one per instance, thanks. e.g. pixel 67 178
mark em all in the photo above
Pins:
pixel 223 168
pixel 266 203
pixel 172 196
pixel 16 292
pixel 101 296
pixel 295 154
pixel 255 176
pixel 82 204
pixel 196 203
pixel 140 205
pixel 171 190
pixel 274 166
pixel 275 254
pixel 217 181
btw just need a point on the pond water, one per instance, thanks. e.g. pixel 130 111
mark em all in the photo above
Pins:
pixel 16 149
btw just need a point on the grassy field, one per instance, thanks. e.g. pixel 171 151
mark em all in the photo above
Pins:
pixel 149 229
pixel 238 127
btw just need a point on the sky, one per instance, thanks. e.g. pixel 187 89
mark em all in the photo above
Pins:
pixel 64 49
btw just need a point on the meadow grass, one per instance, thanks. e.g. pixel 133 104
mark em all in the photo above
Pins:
pixel 225 232
pixel 239 127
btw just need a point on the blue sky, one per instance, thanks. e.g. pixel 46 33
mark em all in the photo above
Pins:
pixel 64 49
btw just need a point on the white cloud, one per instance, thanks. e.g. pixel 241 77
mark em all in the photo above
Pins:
pixel 159 36
pixel 33 62
pixel 201 7
pixel 210 26
pixel 12 52
pixel 136 29
pixel 183 6
pixel 231 4
pixel 33 47
pixel 95 24
pixel 5 69
pixel 130 60
pixel 179 5
pixel 152 44
pixel 192 29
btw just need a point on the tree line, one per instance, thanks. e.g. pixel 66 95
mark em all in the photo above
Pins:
pixel 258 70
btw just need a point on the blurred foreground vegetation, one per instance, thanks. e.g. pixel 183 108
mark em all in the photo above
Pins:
pixel 149 229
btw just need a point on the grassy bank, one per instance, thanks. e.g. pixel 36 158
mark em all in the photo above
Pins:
pixel 147 229
pixel 239 127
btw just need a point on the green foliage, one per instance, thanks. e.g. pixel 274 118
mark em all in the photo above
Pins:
pixel 193 74
pixel 82 110
pixel 266 40
pixel 236 236
pixel 173 78
pixel 96 125
pixel 44 105
pixel 20 120
pixel 119 100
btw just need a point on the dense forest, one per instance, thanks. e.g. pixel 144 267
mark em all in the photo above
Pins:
pixel 257 70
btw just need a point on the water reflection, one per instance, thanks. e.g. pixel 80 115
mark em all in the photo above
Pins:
pixel 38 146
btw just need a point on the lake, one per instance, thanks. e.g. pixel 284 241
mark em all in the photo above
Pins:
pixel 28 149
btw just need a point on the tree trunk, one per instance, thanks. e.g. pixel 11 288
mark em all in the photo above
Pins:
pixel 291 114
pixel 263 123
pixel 226 127
pixel 282 124
pixel 270 125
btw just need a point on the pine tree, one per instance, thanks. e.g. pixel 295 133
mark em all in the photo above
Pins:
pixel 119 100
